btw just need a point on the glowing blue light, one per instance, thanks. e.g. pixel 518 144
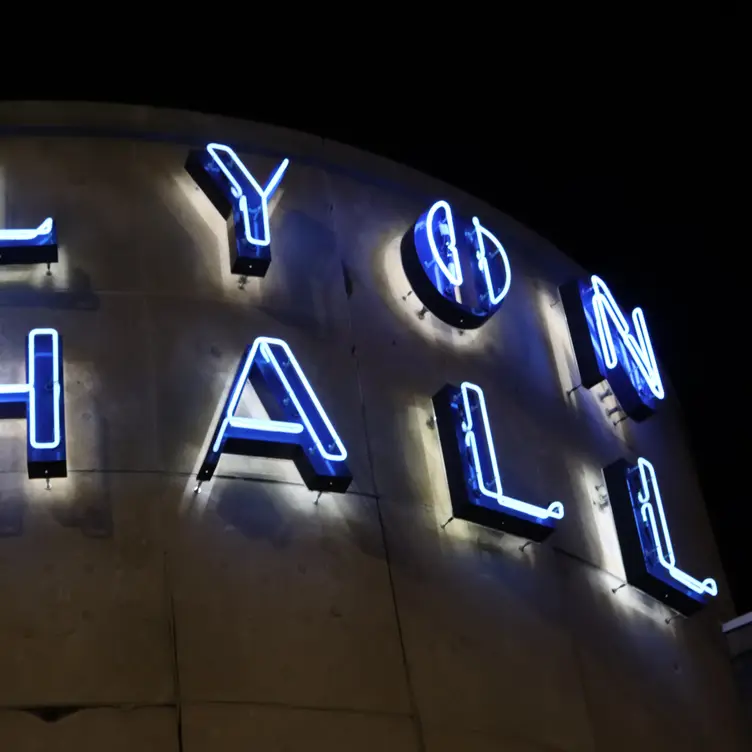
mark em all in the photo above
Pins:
pixel 22 390
pixel 261 196
pixel 28 392
pixel 640 348
pixel 263 344
pixel 651 510
pixel 42 395
pixel 450 267
pixel 56 389
pixel 453 271
pixel 480 233
pixel 27 235
pixel 455 267
pixel 306 427
pixel 491 487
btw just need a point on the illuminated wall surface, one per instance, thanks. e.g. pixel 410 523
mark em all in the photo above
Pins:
pixel 313 596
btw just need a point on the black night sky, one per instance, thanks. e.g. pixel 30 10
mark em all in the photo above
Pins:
pixel 634 172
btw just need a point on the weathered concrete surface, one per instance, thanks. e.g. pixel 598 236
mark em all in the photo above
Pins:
pixel 450 740
pixel 487 642
pixel 280 600
pixel 262 619
pixel 238 728
pixel 644 679
pixel 85 616
pixel 143 729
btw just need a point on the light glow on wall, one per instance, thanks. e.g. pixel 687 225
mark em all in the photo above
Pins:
pixel 596 518
pixel 393 286
pixel 555 322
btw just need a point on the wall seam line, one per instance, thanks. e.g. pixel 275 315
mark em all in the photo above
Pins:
pixel 414 714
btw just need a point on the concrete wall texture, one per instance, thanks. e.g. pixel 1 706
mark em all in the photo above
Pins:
pixel 135 615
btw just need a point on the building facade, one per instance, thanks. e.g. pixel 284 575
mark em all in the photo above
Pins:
pixel 263 613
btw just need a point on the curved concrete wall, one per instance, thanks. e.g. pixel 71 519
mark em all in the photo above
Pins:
pixel 136 615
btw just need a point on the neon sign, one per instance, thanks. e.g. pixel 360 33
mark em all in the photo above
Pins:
pixel 459 270
pixel 240 199
pixel 472 469
pixel 34 246
pixel 298 428
pixel 647 550
pixel 40 400
pixel 608 347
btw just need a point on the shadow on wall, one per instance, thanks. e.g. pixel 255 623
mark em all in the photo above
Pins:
pixel 307 245
pixel 626 644
pixel 742 664
pixel 464 561
pixel 80 295
pixel 302 284
pixel 11 514
pixel 396 292
pixel 252 509
pixel 276 513
pixel 85 501
pixel 92 512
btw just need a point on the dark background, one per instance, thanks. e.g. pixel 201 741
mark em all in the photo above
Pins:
pixel 635 171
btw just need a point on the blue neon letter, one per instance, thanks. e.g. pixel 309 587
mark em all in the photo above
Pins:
pixel 27 236
pixel 444 248
pixel 478 439
pixel 608 346
pixel 233 190
pixel 650 504
pixel 41 400
pixel 434 253
pixel 473 471
pixel 303 431
pixel 33 246
pixel 608 316
pixel 494 293
pixel 646 547
pixel 251 197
